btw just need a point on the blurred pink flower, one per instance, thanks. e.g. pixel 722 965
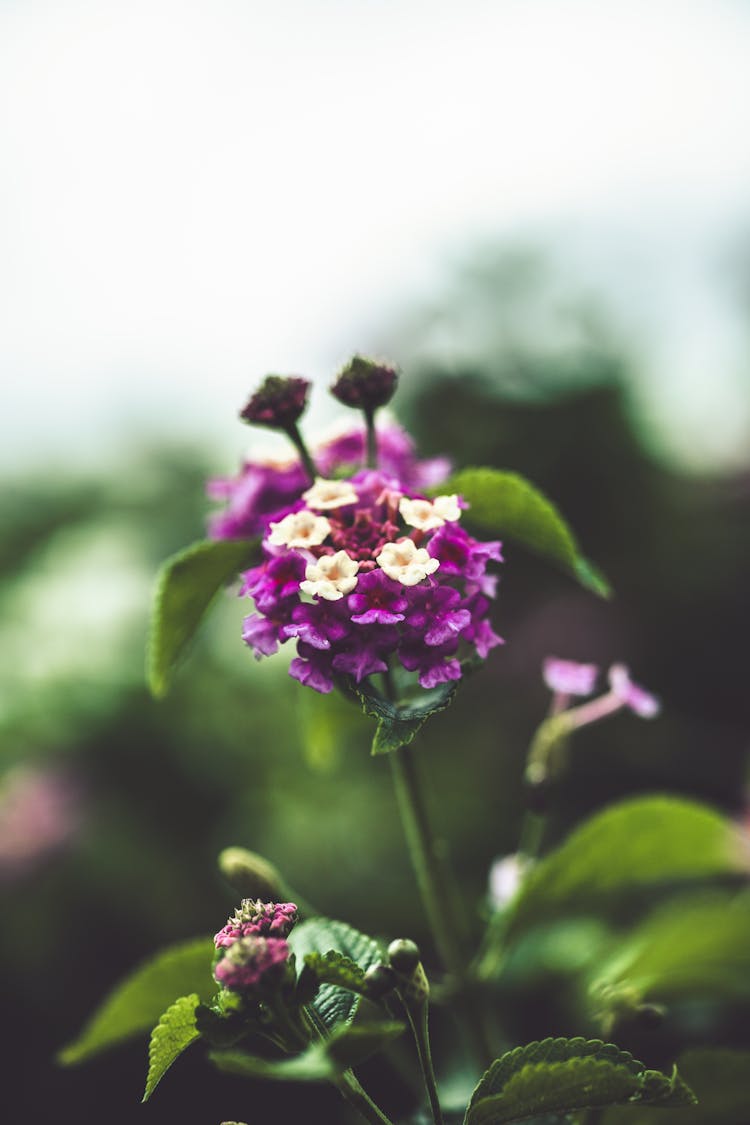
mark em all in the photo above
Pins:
pixel 38 815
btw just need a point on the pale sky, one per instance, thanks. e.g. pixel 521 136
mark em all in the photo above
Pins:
pixel 195 193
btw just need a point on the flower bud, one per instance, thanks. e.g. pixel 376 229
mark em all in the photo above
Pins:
pixel 404 956
pixel 278 403
pixel 379 980
pixel 250 875
pixel 365 384
pixel 251 963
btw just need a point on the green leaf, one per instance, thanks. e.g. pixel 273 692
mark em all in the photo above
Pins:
pixel 174 1032
pixel 691 948
pixel 506 504
pixel 399 722
pixel 348 1046
pixel 313 1065
pixel 336 968
pixel 351 1044
pixel 187 584
pixel 627 847
pixel 136 1004
pixel 563 1075
pixel 720 1081
pixel 332 1004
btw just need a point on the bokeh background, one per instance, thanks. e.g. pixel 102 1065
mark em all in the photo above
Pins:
pixel 539 210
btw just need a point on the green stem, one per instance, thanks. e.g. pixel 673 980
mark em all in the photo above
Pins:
pixel 532 835
pixel 418 1021
pixel 350 1089
pixel 427 859
pixel 438 894
pixel 372 440
pixel 298 442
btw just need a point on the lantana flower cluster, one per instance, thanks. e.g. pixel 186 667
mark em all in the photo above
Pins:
pixel 252 944
pixel 360 568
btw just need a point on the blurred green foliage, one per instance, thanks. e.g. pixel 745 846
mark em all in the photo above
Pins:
pixel 240 754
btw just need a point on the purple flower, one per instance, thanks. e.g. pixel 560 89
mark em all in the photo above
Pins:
pixel 437 614
pixel 364 652
pixel 313 668
pixel 480 632
pixel 250 961
pixel 265 919
pixel 321 624
pixel 261 634
pixel 378 600
pixel 460 555
pixel 632 695
pixel 396 457
pixel 276 580
pixel 568 677
pixel 436 665
pixel 259 491
pixel 622 693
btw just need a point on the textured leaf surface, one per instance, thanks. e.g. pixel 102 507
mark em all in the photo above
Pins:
pixel 563 1075
pixel 336 968
pixel 693 947
pixel 507 504
pixel 187 584
pixel 136 1004
pixel 333 1004
pixel 721 1082
pixel 650 840
pixel 174 1032
pixel 398 723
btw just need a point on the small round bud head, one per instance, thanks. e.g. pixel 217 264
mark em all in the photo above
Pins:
pixel 651 1015
pixel 380 980
pixel 404 956
pixel 365 384
pixel 278 403
pixel 250 875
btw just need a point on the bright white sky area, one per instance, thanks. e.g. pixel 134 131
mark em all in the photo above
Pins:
pixel 195 193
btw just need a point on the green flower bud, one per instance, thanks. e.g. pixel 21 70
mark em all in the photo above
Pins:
pixel 404 956
pixel 250 875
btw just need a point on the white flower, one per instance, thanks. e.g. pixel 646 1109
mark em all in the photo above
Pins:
pixel 331 576
pixel 405 562
pixel 427 516
pixel 329 494
pixel 299 529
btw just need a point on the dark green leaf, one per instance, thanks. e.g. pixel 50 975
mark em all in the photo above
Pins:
pixel 506 504
pixel 174 1032
pixel 136 1004
pixel 351 1044
pixel 720 1081
pixel 692 947
pixel 649 840
pixel 313 1065
pixel 187 584
pixel 564 1075
pixel 399 722
pixel 332 1004
pixel 336 968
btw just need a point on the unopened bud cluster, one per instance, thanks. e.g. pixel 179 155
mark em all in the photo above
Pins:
pixel 252 945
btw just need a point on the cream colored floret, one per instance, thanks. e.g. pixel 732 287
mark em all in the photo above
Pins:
pixel 299 529
pixel 405 562
pixel 325 494
pixel 331 576
pixel 427 515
